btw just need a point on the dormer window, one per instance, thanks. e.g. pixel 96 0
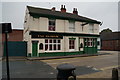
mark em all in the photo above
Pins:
pixel 51 26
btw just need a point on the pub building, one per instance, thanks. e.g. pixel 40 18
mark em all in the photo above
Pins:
pixel 58 33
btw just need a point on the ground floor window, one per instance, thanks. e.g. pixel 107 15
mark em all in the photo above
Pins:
pixel 90 42
pixel 71 44
pixel 52 44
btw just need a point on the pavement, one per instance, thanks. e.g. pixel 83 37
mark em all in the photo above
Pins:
pixel 39 69
pixel 72 56
pixel 56 57
pixel 59 57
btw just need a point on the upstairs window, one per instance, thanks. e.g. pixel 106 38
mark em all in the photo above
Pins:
pixel 91 28
pixel 51 26
pixel 72 26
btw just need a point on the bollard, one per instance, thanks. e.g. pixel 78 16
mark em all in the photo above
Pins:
pixel 66 72
pixel 114 74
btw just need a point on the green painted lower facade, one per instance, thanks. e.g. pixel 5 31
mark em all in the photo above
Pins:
pixel 60 54
pixel 49 54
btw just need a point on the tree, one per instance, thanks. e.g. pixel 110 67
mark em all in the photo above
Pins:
pixel 106 31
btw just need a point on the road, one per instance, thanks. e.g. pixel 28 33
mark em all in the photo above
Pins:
pixel 101 64
pixel 86 67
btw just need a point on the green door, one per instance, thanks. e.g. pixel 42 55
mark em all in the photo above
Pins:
pixel 90 46
pixel 34 48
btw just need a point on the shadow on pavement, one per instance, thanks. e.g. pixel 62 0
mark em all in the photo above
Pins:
pixel 29 69
pixel 37 70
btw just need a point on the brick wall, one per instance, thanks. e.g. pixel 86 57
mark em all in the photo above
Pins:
pixel 16 35
pixel 111 45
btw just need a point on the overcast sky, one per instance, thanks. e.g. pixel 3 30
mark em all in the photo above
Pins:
pixel 106 12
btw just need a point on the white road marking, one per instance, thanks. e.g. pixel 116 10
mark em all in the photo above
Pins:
pixel 52 63
pixel 95 69
pixel 51 73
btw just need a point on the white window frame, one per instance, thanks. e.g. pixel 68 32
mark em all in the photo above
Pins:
pixel 91 41
pixel 48 50
pixel 52 20
pixel 91 28
pixel 71 26
pixel 74 46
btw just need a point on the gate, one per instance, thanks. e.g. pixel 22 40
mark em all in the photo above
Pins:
pixel 16 48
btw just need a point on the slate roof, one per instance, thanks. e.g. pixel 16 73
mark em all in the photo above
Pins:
pixel 59 14
pixel 110 36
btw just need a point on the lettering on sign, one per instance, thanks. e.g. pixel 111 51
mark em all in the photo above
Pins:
pixel 47 36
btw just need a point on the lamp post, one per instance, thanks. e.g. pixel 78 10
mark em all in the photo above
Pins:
pixel 6 28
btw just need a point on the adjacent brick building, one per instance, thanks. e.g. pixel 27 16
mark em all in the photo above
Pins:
pixel 16 35
pixel 110 41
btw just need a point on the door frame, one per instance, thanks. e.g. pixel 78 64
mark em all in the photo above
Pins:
pixel 34 45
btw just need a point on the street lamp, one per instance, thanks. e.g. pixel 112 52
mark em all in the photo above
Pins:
pixel 6 28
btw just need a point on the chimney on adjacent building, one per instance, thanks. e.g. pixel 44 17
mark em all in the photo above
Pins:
pixel 53 9
pixel 75 11
pixel 63 9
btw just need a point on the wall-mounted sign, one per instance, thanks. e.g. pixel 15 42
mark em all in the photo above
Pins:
pixel 47 36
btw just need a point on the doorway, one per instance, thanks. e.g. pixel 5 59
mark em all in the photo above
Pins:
pixel 34 48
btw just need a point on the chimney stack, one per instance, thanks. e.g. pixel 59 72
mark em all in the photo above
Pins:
pixel 63 9
pixel 75 11
pixel 53 9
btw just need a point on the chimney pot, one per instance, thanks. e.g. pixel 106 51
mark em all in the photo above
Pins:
pixel 64 6
pixel 63 9
pixel 75 11
pixel 61 6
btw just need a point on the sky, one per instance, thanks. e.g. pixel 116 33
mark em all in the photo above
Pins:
pixel 106 12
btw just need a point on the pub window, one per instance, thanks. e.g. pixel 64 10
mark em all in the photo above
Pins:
pixel 41 46
pixel 58 46
pixel 46 40
pixel 52 44
pixel 51 26
pixel 71 44
pixel 50 47
pixel 46 47
pixel 86 42
pixel 89 42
